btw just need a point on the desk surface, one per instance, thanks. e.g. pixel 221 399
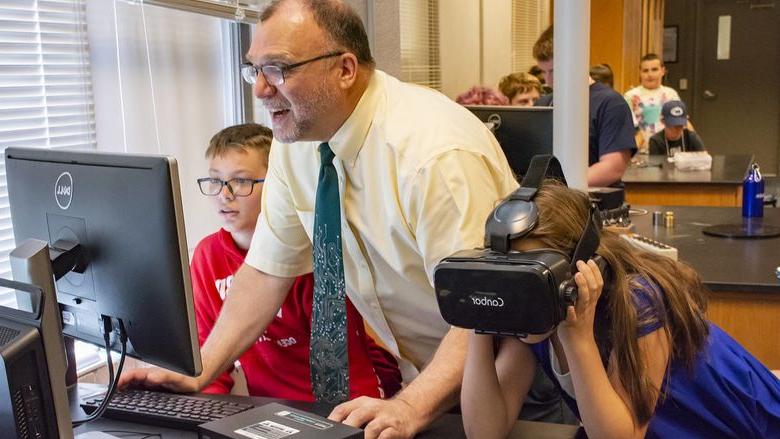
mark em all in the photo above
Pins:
pixel 448 426
pixel 726 169
pixel 724 264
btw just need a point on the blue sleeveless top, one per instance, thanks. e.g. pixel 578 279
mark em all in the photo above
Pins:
pixel 728 394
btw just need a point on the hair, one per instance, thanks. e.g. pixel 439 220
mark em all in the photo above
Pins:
pixel 517 83
pixel 543 48
pixel 603 73
pixel 651 57
pixel 340 23
pixel 537 72
pixel 241 137
pixel 479 95
pixel 563 214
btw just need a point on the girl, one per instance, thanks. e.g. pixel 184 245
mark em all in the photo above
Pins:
pixel 638 360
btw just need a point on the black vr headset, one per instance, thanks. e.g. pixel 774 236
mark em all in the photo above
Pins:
pixel 499 291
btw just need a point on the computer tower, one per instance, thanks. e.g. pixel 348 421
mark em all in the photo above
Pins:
pixel 26 403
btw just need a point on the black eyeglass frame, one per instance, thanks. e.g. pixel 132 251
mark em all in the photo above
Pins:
pixel 247 68
pixel 229 186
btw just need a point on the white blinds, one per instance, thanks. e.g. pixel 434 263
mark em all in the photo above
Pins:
pixel 247 11
pixel 419 23
pixel 529 20
pixel 45 86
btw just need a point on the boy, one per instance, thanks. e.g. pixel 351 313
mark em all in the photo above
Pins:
pixel 522 89
pixel 647 99
pixel 277 365
pixel 675 137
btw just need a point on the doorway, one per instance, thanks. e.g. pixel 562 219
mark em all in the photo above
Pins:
pixel 736 92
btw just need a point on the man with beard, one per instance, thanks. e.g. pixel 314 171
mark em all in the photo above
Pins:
pixel 379 180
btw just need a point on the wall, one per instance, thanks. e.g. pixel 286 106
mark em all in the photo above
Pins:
pixel 459 22
pixel 615 39
pixel 683 14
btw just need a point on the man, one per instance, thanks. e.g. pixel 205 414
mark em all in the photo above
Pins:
pixel 611 134
pixel 417 176
pixel 675 137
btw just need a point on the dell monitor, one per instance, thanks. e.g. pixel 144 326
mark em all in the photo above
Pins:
pixel 522 132
pixel 125 212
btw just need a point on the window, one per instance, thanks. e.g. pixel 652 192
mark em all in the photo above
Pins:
pixel 529 19
pixel 419 25
pixel 45 87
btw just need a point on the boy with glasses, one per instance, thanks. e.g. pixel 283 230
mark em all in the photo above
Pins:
pixel 277 364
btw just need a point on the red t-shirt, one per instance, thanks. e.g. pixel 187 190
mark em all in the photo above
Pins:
pixel 277 365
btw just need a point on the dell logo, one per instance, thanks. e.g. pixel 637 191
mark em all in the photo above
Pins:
pixel 63 190
pixel 487 301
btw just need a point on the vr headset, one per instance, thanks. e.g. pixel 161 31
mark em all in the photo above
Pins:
pixel 500 291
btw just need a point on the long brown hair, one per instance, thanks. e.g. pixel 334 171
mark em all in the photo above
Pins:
pixel 562 216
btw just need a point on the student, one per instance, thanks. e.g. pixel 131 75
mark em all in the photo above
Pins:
pixel 647 98
pixel 522 89
pixel 633 358
pixel 675 137
pixel 610 131
pixel 277 364
pixel 603 73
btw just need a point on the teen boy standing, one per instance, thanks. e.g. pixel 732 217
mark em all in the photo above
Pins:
pixel 277 364
pixel 647 99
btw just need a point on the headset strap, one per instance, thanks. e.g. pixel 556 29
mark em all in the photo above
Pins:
pixel 589 241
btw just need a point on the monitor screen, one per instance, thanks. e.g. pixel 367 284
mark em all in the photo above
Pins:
pixel 125 211
pixel 523 132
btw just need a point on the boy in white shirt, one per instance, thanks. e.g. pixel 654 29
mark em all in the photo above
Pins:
pixel 647 99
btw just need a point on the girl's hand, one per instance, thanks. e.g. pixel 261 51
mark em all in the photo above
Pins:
pixel 578 325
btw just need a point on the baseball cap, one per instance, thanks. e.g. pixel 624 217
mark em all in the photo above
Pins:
pixel 675 113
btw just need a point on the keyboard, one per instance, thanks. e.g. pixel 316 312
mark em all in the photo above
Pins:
pixel 183 412
pixel 651 245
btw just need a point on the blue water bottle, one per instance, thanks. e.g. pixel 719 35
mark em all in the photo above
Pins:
pixel 753 193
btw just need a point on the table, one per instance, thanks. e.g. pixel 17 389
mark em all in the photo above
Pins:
pixel 745 299
pixel 661 183
pixel 448 426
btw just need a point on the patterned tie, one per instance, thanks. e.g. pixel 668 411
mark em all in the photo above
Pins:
pixel 328 350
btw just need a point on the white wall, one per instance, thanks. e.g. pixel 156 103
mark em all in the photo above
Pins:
pixel 496 41
pixel 475 43
pixel 169 100
pixel 459 39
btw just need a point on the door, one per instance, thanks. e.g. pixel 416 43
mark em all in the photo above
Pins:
pixel 737 98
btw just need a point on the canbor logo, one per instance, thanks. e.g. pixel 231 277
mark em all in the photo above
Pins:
pixel 496 302
pixel 63 190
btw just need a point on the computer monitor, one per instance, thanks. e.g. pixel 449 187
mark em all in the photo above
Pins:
pixel 125 211
pixel 523 132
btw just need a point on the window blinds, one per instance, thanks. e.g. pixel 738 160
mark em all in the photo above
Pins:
pixel 529 20
pixel 419 23
pixel 45 87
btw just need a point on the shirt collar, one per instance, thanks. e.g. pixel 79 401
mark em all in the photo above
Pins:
pixel 349 139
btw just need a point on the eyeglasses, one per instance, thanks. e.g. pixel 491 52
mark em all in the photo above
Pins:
pixel 239 187
pixel 274 73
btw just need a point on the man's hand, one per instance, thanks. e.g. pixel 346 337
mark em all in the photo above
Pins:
pixel 381 419
pixel 157 378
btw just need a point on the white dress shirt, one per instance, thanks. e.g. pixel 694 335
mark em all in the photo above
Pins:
pixel 418 176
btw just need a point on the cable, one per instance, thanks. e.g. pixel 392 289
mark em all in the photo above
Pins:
pixel 119 77
pixel 113 380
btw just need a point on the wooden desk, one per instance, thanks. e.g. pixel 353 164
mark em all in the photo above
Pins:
pixel 661 183
pixel 745 298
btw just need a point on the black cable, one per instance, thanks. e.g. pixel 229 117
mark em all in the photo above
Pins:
pixel 113 380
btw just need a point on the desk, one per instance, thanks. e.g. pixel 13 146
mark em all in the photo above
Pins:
pixel 661 183
pixel 449 426
pixel 745 299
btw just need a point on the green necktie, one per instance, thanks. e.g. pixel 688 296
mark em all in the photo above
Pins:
pixel 328 350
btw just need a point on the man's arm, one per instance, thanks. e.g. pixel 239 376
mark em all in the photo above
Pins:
pixel 432 393
pixel 251 304
pixel 609 168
